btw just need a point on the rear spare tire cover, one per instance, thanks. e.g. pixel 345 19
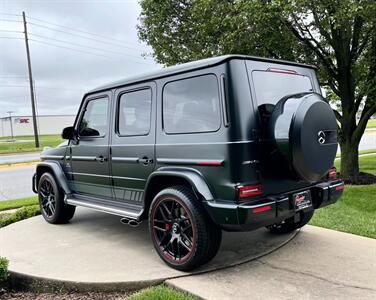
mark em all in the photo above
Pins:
pixel 304 130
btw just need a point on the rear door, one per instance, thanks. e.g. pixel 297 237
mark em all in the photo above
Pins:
pixel 270 82
pixel 133 142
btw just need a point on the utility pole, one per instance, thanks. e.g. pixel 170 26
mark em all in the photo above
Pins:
pixel 36 137
pixel 11 125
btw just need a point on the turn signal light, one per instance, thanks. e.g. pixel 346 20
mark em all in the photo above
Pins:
pixel 245 191
pixel 332 173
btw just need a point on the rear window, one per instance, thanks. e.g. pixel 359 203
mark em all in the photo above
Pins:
pixel 270 87
pixel 191 105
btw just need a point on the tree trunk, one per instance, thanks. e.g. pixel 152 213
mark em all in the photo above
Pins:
pixel 349 158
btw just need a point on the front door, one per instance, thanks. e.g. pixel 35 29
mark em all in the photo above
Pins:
pixel 90 153
pixel 132 147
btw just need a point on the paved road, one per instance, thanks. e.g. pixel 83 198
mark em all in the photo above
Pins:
pixel 15 182
pixel 368 140
pixel 21 157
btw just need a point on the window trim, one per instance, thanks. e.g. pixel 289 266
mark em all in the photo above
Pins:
pixel 87 100
pixel 117 118
pixel 218 99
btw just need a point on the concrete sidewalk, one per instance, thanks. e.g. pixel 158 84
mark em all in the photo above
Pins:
pixel 96 252
pixel 317 264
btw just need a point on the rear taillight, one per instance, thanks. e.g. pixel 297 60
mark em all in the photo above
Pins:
pixel 332 173
pixel 245 191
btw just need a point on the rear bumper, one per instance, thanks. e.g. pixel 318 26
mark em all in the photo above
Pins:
pixel 270 210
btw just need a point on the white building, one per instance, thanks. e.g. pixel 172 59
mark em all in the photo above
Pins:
pixel 23 125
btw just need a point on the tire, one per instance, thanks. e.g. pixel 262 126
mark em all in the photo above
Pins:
pixel 51 201
pixel 289 225
pixel 183 234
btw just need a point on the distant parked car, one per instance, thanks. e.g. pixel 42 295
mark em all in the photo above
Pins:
pixel 232 142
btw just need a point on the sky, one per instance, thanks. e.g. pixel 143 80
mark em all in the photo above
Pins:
pixel 105 45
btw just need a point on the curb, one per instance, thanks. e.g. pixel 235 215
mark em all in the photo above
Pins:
pixel 25 282
pixel 18 164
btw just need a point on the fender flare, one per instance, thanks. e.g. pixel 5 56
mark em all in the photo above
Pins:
pixel 191 175
pixel 57 171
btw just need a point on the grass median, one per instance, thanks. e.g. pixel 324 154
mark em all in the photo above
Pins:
pixel 18 203
pixel 27 144
pixel 355 211
pixel 371 123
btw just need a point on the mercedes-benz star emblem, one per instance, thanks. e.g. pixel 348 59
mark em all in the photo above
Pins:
pixel 321 135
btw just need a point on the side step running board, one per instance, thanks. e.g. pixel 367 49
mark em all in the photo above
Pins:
pixel 118 211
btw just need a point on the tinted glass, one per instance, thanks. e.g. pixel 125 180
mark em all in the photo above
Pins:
pixel 94 121
pixel 134 112
pixel 270 87
pixel 191 105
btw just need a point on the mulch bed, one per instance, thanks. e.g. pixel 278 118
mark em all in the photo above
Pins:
pixel 361 179
pixel 61 296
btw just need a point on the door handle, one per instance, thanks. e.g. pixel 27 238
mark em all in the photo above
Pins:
pixel 145 161
pixel 101 159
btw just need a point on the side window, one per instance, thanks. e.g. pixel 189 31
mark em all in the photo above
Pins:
pixel 94 121
pixel 134 113
pixel 191 105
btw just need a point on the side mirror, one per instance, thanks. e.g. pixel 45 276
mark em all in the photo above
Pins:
pixel 68 133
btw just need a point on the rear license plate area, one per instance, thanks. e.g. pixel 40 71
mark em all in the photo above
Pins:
pixel 302 200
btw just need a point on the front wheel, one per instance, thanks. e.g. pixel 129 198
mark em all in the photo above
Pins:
pixel 290 225
pixel 51 201
pixel 182 232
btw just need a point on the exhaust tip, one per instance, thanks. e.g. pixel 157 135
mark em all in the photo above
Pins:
pixel 130 222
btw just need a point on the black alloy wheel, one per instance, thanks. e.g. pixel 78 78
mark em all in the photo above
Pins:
pixel 173 229
pixel 182 232
pixel 47 198
pixel 51 201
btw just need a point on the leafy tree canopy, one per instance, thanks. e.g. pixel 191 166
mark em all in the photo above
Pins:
pixel 339 36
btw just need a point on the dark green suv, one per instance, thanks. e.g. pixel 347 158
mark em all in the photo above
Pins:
pixel 231 142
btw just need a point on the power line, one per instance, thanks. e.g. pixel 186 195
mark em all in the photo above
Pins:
pixel 8 14
pixel 87 52
pixel 10 37
pixel 84 46
pixel 16 31
pixel 8 20
pixel 86 32
pixel 82 36
pixel 43 87
pixel 68 48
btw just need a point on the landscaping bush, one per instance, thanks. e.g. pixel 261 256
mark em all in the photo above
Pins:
pixel 3 270
pixel 21 214
pixel 160 292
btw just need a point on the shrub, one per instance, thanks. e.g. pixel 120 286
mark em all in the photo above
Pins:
pixel 3 270
pixel 21 214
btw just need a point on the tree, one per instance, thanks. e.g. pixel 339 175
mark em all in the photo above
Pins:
pixel 339 36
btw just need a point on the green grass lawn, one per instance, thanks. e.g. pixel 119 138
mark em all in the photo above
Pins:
pixel 371 123
pixel 368 151
pixel 16 147
pixel 367 164
pixel 160 292
pixel 355 211
pixel 17 203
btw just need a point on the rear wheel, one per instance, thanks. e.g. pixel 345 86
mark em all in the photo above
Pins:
pixel 51 201
pixel 290 225
pixel 182 232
